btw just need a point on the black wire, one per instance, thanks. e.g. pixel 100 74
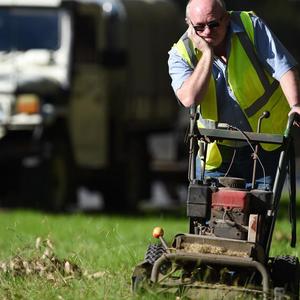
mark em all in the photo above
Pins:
pixel 252 148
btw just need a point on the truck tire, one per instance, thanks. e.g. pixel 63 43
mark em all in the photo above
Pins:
pixel 51 184
pixel 285 273
pixel 127 182
pixel 60 188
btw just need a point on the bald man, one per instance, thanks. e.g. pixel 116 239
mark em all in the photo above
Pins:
pixel 233 68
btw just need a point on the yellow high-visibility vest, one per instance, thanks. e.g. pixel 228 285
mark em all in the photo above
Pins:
pixel 254 89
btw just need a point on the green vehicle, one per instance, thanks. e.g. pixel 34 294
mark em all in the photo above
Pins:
pixel 82 86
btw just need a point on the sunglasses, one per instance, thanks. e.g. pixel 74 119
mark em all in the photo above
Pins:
pixel 211 25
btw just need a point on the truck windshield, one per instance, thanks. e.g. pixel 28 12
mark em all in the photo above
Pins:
pixel 25 29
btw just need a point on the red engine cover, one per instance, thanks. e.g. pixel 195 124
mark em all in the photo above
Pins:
pixel 229 198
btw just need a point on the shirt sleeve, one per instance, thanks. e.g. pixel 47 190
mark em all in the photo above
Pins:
pixel 271 52
pixel 179 69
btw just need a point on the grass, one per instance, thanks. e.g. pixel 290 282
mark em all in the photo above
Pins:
pixel 107 246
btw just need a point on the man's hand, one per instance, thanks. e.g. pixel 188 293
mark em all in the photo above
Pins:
pixel 296 109
pixel 197 40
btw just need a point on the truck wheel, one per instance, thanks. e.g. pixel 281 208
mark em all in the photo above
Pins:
pixel 59 178
pixel 286 273
pixel 128 180
pixel 50 185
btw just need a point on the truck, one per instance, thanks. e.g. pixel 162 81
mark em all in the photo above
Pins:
pixel 83 83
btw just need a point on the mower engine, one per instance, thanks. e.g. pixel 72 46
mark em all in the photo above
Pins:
pixel 227 209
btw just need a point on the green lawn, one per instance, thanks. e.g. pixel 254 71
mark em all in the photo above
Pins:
pixel 109 246
pixel 104 247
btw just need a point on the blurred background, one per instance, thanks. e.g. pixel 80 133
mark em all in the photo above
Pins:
pixel 88 119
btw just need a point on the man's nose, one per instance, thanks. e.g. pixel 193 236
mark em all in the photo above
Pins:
pixel 206 28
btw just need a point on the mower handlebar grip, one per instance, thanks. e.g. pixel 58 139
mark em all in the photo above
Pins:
pixel 294 117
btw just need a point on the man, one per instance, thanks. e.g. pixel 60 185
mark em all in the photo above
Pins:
pixel 234 68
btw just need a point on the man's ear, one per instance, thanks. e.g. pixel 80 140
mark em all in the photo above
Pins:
pixel 227 17
pixel 187 21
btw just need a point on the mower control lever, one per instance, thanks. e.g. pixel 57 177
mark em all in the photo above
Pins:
pixel 158 233
pixel 264 115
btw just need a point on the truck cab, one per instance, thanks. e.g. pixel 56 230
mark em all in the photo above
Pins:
pixel 82 86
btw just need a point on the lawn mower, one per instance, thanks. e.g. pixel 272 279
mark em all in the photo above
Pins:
pixel 225 254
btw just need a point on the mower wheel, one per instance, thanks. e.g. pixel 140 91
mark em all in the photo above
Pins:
pixel 140 278
pixel 154 252
pixel 286 273
pixel 142 272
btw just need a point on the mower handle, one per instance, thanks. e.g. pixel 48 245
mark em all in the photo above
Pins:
pixel 228 132
pixel 287 158
pixel 294 117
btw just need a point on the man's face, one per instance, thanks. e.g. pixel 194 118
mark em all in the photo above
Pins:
pixel 211 25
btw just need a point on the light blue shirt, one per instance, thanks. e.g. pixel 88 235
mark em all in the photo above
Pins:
pixel 272 54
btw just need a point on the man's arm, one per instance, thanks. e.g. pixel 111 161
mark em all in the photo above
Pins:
pixel 290 85
pixel 195 87
pixel 278 61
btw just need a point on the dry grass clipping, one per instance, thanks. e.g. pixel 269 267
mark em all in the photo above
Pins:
pixel 44 263
pixel 209 249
